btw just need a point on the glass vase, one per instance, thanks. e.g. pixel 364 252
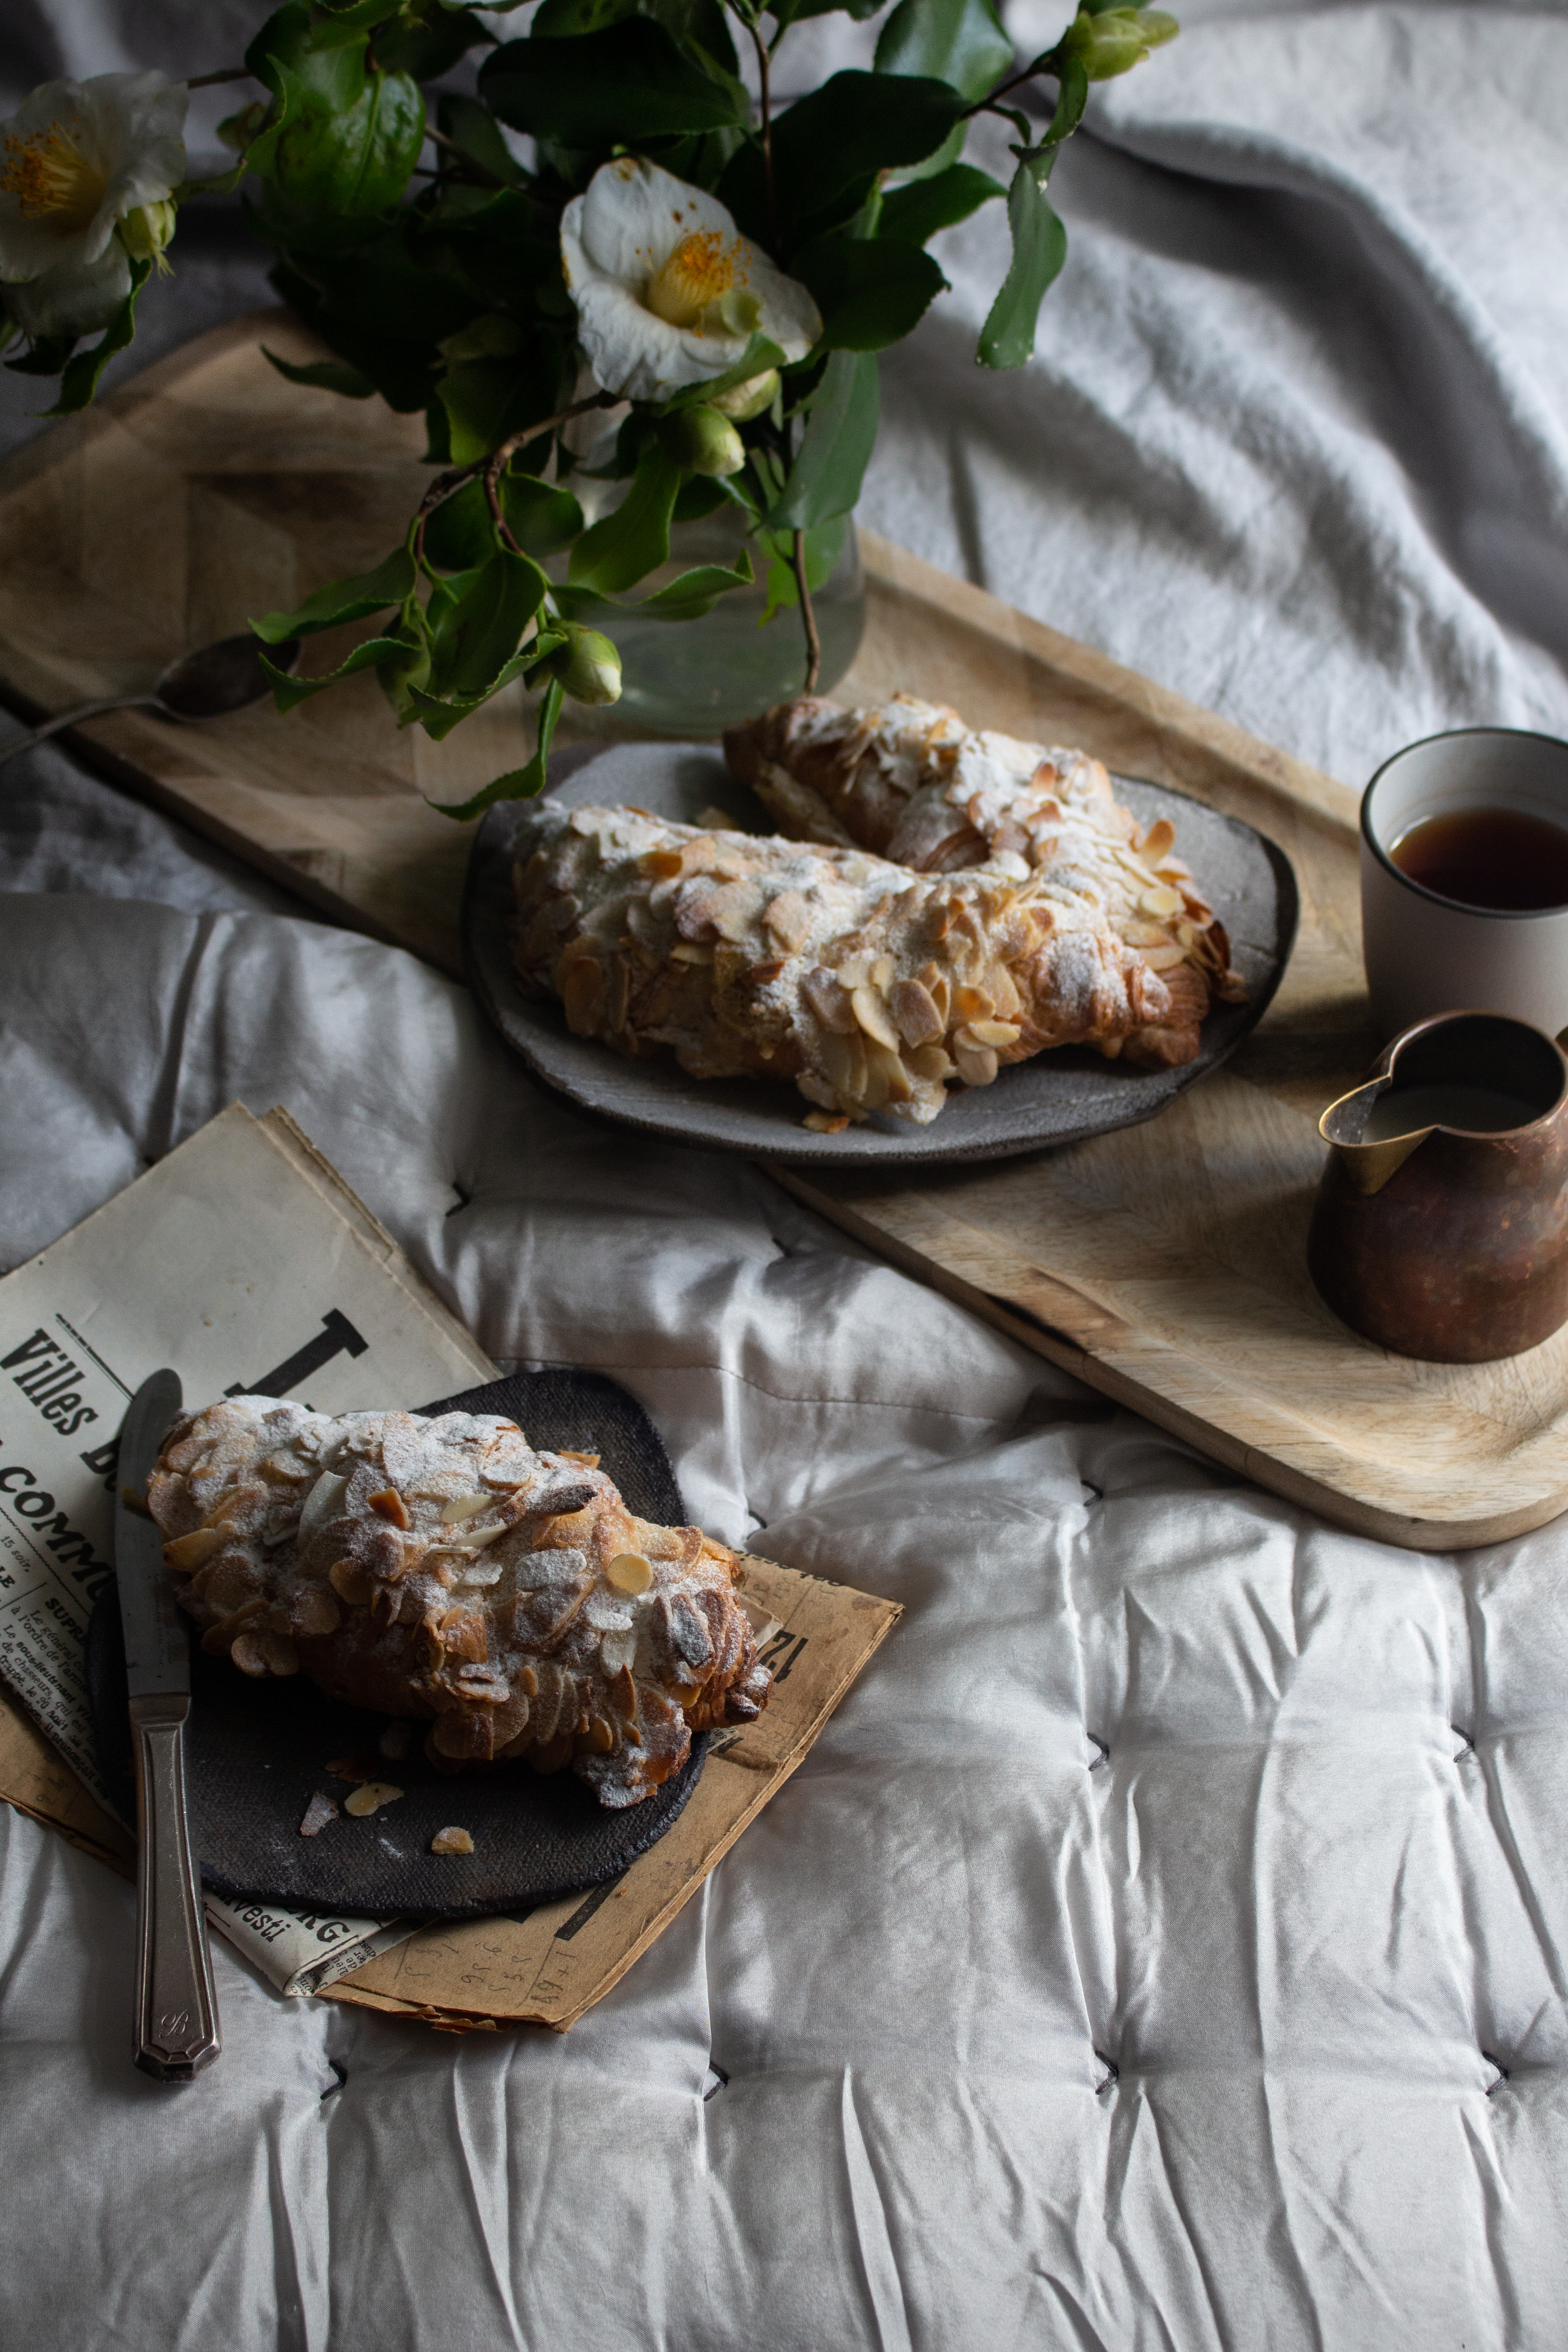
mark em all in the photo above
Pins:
pixel 697 678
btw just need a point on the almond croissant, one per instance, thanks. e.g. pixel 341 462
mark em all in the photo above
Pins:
pixel 866 985
pixel 911 781
pixel 442 1568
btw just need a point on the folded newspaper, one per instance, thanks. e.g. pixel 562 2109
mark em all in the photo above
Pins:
pixel 245 1261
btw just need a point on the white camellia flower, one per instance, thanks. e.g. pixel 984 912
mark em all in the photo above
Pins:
pixel 86 172
pixel 668 291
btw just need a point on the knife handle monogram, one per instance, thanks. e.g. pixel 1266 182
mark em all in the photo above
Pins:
pixel 176 2002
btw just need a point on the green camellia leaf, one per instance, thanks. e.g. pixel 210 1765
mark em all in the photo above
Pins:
pixel 1039 249
pixel 374 652
pixel 364 14
pixel 326 169
pixel 590 91
pixel 474 132
pixel 343 599
pixel 324 375
pixel 428 41
pixel 696 592
pixel 634 540
pixel 79 379
pixel 871 292
pixel 477 620
pixel 517 783
pixel 824 547
pixel 825 477
pixel 855 126
pixel 542 516
pixel 484 402
pixel 795 12
pixel 759 355
pixel 328 72
pixel 958 41
pixel 913 214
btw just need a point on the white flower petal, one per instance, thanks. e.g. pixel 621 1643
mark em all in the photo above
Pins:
pixel 127 129
pixel 635 215
pixel 75 299
pixel 619 235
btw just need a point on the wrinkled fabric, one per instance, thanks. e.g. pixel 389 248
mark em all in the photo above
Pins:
pixel 1164 1945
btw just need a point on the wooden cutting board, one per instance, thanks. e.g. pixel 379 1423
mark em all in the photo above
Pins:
pixel 1163 1264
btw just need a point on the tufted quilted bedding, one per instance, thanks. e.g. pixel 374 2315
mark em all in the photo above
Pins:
pixel 1166 1946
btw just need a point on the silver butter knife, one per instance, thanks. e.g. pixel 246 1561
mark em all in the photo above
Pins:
pixel 176 2005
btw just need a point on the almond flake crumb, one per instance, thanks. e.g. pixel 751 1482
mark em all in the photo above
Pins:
pixel 369 1795
pixel 452 1841
pixel 318 1813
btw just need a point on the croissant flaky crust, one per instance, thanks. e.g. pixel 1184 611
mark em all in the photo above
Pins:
pixel 871 987
pixel 442 1568
pixel 908 779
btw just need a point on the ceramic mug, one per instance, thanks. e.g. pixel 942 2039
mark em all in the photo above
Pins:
pixel 1426 953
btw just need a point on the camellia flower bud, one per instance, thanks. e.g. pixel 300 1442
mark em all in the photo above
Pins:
pixel 744 401
pixel 146 231
pixel 1113 40
pixel 588 665
pixel 702 441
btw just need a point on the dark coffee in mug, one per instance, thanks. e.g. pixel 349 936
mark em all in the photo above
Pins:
pixel 1498 858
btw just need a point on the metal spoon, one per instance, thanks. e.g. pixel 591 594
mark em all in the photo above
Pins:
pixel 206 684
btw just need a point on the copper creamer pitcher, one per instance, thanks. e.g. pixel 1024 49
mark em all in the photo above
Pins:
pixel 1441 1224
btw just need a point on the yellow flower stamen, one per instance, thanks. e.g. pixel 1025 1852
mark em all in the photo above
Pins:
pixel 50 175
pixel 698 274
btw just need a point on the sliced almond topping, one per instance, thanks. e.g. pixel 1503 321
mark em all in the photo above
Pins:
pixel 881 973
pixel 976 1062
pixel 995 1033
pixel 914 1010
pixel 692 951
pixel 829 1000
pixel 452 1841
pixel 463 1507
pixel 1009 1004
pixel 1158 842
pixel 248 1655
pixel 825 1122
pixel 369 1796
pixel 889 1070
pixel 187 1553
pixel 349 1582
pixel 788 917
pixel 282 1656
pixel 1163 958
pixel 1160 900
pixel 629 1572
pixel 602 1733
pixel 871 1013
pixel 582 989
pixel 664 864
pixel 390 1505
pixel 974 1003
pixel 930 1063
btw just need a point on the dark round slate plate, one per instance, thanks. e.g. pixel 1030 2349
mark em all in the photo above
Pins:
pixel 256 1752
pixel 1058 1097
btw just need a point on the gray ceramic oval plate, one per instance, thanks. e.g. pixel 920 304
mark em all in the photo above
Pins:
pixel 1058 1097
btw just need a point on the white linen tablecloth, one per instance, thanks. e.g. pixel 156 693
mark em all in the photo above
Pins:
pixel 1165 1944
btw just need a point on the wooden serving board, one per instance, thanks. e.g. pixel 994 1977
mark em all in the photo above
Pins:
pixel 1163 1264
